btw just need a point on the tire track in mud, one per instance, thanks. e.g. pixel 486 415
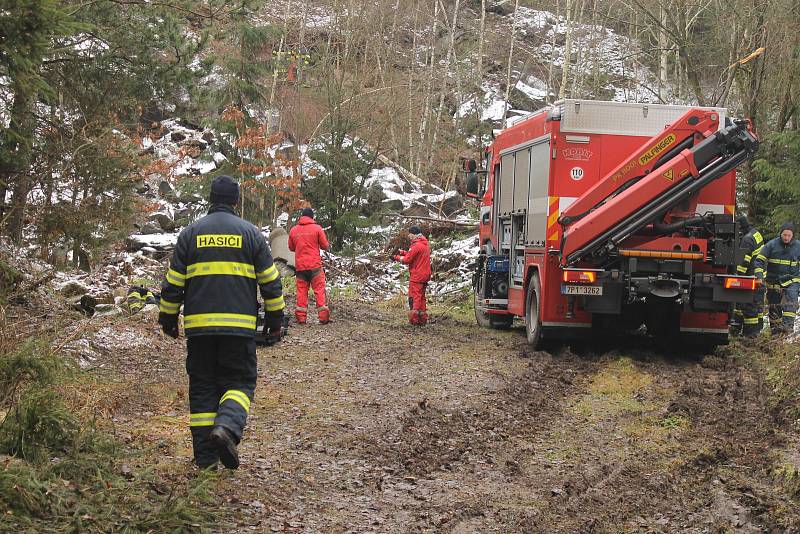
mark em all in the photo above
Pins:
pixel 431 438
pixel 368 425
pixel 663 458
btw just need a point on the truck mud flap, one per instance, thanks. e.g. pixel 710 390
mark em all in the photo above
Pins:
pixel 709 294
pixel 610 302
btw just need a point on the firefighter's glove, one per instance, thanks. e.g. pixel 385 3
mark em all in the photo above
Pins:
pixel 273 327
pixel 397 257
pixel 169 324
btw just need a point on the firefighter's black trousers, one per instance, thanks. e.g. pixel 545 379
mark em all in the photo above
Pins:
pixel 222 379
pixel 753 313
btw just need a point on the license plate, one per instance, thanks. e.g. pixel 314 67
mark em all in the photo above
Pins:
pixel 594 291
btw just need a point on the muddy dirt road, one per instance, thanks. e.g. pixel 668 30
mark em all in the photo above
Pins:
pixel 370 425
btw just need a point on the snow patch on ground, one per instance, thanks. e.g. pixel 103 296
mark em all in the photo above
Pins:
pixel 159 241
pixel 536 91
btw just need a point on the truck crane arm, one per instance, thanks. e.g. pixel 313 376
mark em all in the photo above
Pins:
pixel 673 180
pixel 693 126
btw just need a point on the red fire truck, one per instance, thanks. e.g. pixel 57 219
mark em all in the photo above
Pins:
pixel 611 216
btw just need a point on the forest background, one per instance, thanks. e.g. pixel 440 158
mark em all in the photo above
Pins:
pixel 353 83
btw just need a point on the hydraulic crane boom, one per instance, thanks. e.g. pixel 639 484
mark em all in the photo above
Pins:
pixel 694 125
pixel 676 176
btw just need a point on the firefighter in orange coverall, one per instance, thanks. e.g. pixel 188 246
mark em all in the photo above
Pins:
pixel 306 239
pixel 418 259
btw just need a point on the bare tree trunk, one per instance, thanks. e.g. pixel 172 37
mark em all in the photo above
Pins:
pixel 479 73
pixel 577 79
pixel 562 91
pixel 510 63
pixel 550 81
pixel 450 49
pixel 411 111
pixel 663 63
pixel 17 172
pixel 426 109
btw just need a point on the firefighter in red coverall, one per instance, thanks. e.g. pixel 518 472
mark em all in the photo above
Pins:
pixel 418 259
pixel 306 239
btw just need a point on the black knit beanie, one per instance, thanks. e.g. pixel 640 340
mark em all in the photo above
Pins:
pixel 224 190
pixel 744 224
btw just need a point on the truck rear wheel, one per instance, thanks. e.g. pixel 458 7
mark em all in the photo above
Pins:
pixel 533 325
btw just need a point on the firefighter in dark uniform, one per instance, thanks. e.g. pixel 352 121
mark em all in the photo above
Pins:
pixel 750 316
pixel 779 263
pixel 219 264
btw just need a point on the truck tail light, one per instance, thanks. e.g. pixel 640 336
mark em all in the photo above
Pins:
pixel 748 284
pixel 580 277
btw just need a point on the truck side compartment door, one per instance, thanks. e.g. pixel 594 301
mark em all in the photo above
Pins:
pixel 536 227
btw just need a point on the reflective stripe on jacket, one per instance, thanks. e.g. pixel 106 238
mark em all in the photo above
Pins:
pixel 219 263
pixel 779 263
pixel 418 259
pixel 752 243
pixel 306 239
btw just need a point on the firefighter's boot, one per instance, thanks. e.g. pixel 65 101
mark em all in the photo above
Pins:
pixel 324 314
pixel 412 317
pixel 422 319
pixel 300 315
pixel 226 447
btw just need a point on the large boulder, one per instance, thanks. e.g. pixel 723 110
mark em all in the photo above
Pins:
pixel 182 217
pixel 74 288
pixel 163 220
pixel 430 189
pixel 133 245
pixel 142 187
pixel 166 191
pixel 189 125
pixel 190 198
pixel 106 310
pixel 500 7
pixel 452 204
pixel 150 228
pixel 417 210
pixel 392 205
